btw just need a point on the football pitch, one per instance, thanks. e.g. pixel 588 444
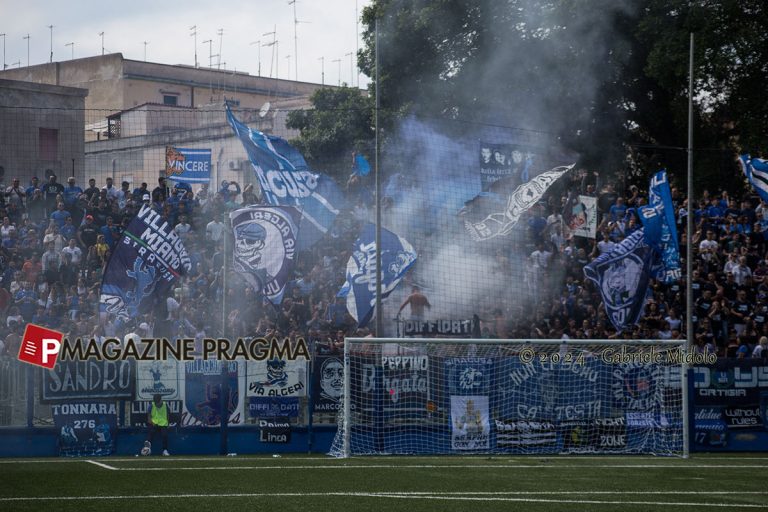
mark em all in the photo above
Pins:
pixel 449 483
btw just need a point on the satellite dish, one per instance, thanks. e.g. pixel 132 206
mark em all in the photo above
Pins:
pixel 264 109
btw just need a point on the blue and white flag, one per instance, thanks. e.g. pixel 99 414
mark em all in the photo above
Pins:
pixel 622 276
pixel 286 181
pixel 361 167
pixel 519 202
pixel 756 171
pixel 188 165
pixel 144 265
pixel 658 220
pixel 265 247
pixel 397 256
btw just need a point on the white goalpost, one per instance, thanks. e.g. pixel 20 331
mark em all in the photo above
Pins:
pixel 485 396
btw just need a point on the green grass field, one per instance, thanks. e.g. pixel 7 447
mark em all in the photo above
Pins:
pixel 310 483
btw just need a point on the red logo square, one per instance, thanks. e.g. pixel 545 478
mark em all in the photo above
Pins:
pixel 40 346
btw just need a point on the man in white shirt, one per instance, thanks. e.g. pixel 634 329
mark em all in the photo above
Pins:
pixel 75 254
pixel 214 231
pixel 741 271
pixel 708 247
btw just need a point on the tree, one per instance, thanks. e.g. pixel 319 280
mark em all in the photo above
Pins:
pixel 339 122
pixel 600 76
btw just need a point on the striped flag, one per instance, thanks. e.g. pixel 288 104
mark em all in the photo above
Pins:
pixel 756 171
pixel 286 181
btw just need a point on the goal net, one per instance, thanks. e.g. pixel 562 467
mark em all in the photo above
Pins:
pixel 443 396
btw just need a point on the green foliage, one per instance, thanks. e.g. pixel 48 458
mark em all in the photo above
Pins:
pixel 340 122
pixel 601 76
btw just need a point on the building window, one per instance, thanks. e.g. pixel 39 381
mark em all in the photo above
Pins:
pixel 48 143
pixel 170 100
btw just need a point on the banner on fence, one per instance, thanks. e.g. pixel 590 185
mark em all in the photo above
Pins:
pixel 88 380
pixel 470 423
pixel 85 429
pixel 158 378
pixel 327 383
pixel 276 377
pixel 188 165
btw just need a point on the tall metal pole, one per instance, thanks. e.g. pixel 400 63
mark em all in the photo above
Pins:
pixel 51 27
pixel 322 70
pixel 3 36
pixel 193 28
pixel 221 39
pixel 102 42
pixel 145 50
pixel 688 260
pixel 210 52
pixel 288 57
pixel 351 68
pixel 27 38
pixel 357 40
pixel 258 45
pixel 295 42
pixel 379 329
pixel 339 61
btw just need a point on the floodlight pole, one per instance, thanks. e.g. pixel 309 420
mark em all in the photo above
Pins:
pixel 379 330
pixel 688 264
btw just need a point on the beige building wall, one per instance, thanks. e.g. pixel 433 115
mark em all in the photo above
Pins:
pixel 41 127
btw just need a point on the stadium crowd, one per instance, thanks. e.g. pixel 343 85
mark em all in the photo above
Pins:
pixel 56 240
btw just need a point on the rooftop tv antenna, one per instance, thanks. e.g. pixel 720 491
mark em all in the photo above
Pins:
pixel 193 28
pixel 273 44
pixel 220 32
pixel 296 22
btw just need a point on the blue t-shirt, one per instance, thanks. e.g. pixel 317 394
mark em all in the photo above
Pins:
pixel 60 217
pixel 71 194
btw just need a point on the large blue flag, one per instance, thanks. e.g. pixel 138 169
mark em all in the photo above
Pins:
pixel 397 256
pixel 622 276
pixel 144 265
pixel 265 247
pixel 756 171
pixel 658 220
pixel 286 181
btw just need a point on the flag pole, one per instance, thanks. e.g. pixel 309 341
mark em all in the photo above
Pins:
pixel 379 331
pixel 688 262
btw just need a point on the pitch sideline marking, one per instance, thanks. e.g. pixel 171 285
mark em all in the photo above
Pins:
pixel 446 466
pixel 102 465
pixel 254 457
pixel 382 495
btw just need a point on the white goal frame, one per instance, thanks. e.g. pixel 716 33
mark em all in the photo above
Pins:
pixel 344 413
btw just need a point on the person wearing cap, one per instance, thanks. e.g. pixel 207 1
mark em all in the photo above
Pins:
pixel 88 233
pixel 71 194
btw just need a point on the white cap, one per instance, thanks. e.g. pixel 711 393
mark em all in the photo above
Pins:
pixel 144 326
